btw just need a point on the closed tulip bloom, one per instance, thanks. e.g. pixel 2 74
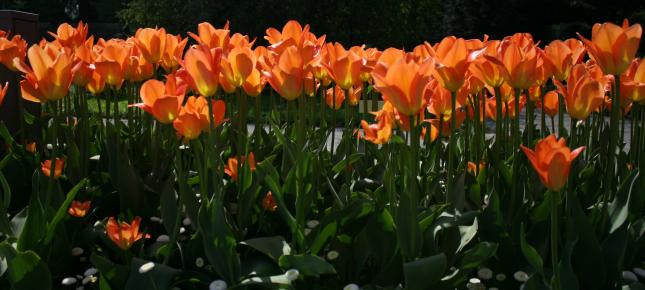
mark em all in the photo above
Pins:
pixel 254 83
pixel 475 169
pixel 238 65
pixel 552 161
pixel 560 57
pixel 551 103
pixel 79 209
pixel 632 84
pixel 287 76
pixel 161 100
pixel 452 60
pixel 582 94
pixel 268 202
pixel 151 42
pixel 203 66
pixel 613 47
pixel 50 74
pixel 439 101
pixel 123 234
pixel 520 63
pixel 344 66
pixel 10 49
pixel 334 97
pixel 404 84
pixel 46 167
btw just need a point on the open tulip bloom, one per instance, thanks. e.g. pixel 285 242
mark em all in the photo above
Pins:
pixel 227 151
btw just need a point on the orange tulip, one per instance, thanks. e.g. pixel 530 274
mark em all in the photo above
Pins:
pixel 69 36
pixel 231 165
pixel 254 83
pixel 550 103
pixel 203 66
pixel 110 63
pixel 45 167
pixel 561 57
pixel 31 147
pixel 475 169
pixel 174 50
pixel 161 100
pixel 3 91
pixel 334 97
pixel 268 202
pixel 10 49
pixel 552 161
pixel 521 64
pixel 404 84
pixel 238 65
pixel 193 118
pixel 613 47
pixel 439 101
pixel 452 61
pixel 124 235
pixel 50 74
pixel 378 133
pixel 490 70
pixel 582 95
pixel 508 106
pixel 211 37
pixel 151 42
pixel 287 76
pixel 632 83
pixel 344 66
pixel 79 209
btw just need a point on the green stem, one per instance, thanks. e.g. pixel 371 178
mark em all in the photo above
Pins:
pixel 451 143
pixel 554 240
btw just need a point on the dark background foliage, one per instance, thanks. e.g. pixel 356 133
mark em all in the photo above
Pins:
pixel 380 23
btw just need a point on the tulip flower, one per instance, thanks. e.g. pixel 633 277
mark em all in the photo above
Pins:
pixel 124 235
pixel 268 202
pixel 490 70
pixel 31 147
pixel 193 118
pixel 287 76
pixel 632 84
pixel 613 47
pixel 79 209
pixel 161 100
pixel 452 60
pixel 203 66
pixel 552 161
pixel 211 37
pixel 334 97
pixel 475 169
pixel 254 83
pixel 404 84
pixel 582 95
pixel 507 107
pixel 439 101
pixel 551 103
pixel 152 43
pixel 561 57
pixel 45 167
pixel 238 65
pixel 173 53
pixel 232 165
pixel 135 67
pixel 344 66
pixel 3 91
pixel 50 74
pixel 520 63
pixel 10 49
pixel 110 63
pixel 69 36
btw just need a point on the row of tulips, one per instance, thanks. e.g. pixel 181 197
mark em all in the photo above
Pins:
pixel 420 193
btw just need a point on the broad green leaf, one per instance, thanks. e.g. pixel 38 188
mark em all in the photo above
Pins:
pixel 274 247
pixel 27 271
pixel 478 254
pixel 308 265
pixel 62 211
pixel 424 272
pixel 531 255
pixel 159 277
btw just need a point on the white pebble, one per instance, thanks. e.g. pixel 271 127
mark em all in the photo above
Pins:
pixel 312 224
pixel 199 262
pixel 186 222
pixel 89 279
pixel 639 271
pixel 493 288
pixel 521 276
pixel 145 268
pixel 90 272
pixel 351 286
pixel 217 285
pixel 97 224
pixel 500 277
pixel 95 158
pixel 80 288
pixel 182 230
pixel 77 251
pixel 475 281
pixel 485 273
pixel 79 277
pixel 163 238
pixel 630 276
pixel 69 281
pixel 292 274
pixel 156 219
pixel 307 231
pixel 332 255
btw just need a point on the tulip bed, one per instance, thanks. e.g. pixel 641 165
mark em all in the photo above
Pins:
pixel 434 182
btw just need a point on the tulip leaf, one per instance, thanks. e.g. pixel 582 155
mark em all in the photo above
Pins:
pixel 159 277
pixel 478 254
pixel 273 247
pixel 530 253
pixel 619 207
pixel 62 210
pixel 425 272
pixel 308 265
pixel 27 271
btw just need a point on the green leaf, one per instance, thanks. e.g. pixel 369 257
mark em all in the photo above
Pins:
pixel 341 165
pixel 159 277
pixel 478 254
pixel 169 208
pixel 110 272
pixel 274 247
pixel 308 265
pixel 619 207
pixel 27 271
pixel 530 253
pixel 425 272
pixel 62 211
pixel 219 243
pixel 326 233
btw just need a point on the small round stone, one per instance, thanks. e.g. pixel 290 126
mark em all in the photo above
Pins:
pixel 156 219
pixel 307 231
pixel 163 239
pixel 186 222
pixel 145 268
pixel 493 288
pixel 182 230
pixel 521 276
pixel 69 281
pixel 77 251
pixel 500 277
pixel 630 276
pixel 332 255
pixel 199 262
pixel 90 272
pixel 485 273
pixel 351 286
pixel 292 274
pixel 312 224
pixel 217 285
pixel 639 271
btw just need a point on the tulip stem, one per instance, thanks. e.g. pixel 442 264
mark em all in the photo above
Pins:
pixel 613 140
pixel 451 146
pixel 554 240
pixel 560 115
pixel 542 114
pixel 54 140
pixel 498 122
pixel 258 119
